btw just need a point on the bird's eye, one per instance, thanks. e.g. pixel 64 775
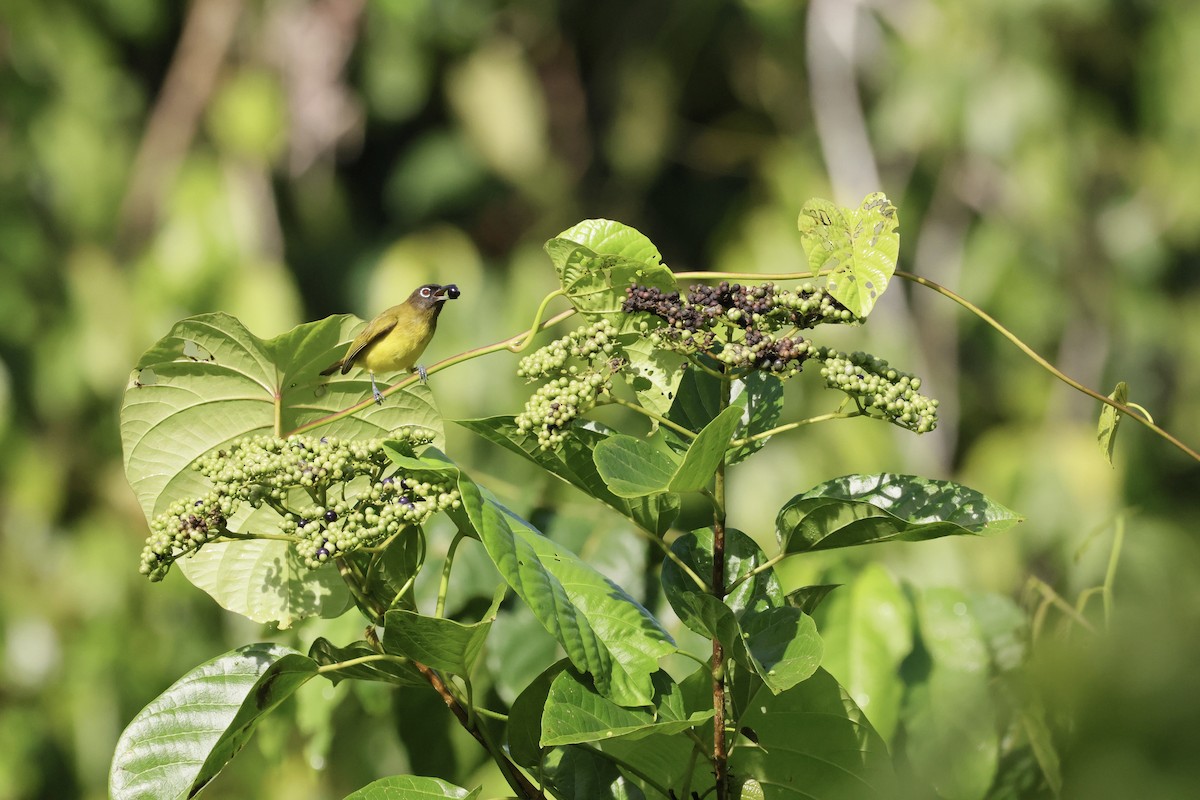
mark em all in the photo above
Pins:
pixel 425 291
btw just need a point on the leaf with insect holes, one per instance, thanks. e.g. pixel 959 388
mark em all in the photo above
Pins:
pixel 859 247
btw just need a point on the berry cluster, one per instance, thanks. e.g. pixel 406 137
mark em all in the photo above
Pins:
pixel 586 343
pixel 877 386
pixel 557 403
pixel 333 497
pixel 743 327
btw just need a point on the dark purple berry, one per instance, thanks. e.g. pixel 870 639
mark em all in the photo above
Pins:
pixel 330 516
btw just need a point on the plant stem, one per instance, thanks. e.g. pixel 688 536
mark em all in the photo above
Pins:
pixel 793 425
pixel 517 347
pixel 1124 408
pixel 720 746
pixel 515 778
pixel 443 588
pixel 682 431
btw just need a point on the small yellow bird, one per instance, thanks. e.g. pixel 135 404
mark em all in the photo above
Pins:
pixel 394 340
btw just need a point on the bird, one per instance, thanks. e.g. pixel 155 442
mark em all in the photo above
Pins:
pixel 394 340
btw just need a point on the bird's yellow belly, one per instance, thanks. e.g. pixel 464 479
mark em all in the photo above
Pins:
pixel 397 351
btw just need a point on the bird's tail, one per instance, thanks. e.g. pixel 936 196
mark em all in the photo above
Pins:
pixel 332 368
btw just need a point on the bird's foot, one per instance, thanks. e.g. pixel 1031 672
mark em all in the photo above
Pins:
pixel 422 373
pixel 375 391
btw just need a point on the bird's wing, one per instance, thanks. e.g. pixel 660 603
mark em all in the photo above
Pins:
pixel 379 327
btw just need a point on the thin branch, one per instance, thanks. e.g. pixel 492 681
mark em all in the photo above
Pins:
pixel 793 425
pixel 682 431
pixel 1044 364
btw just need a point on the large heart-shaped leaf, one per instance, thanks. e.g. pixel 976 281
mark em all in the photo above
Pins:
pixel 860 246
pixel 209 382
pixel 185 736
pixel 863 509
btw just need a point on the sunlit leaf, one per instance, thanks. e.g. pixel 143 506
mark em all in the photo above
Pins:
pixel 860 246
pixel 264 580
pixel 863 509
pixel 1110 420
pixel 185 736
pixel 441 644
pixel 209 382
pixel 412 787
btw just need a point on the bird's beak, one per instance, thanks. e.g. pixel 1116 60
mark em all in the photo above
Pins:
pixel 447 292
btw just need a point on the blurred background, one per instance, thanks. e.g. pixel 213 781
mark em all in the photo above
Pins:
pixel 284 160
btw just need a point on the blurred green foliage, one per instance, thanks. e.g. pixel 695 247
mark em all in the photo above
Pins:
pixel 286 161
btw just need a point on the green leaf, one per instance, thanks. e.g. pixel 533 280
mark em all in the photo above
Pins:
pixel 209 382
pixel 525 717
pixel 264 580
pixel 572 462
pixel 864 509
pixel 394 672
pixel 867 628
pixel 860 246
pixel 603 630
pixel 809 598
pixel 783 646
pixel 703 457
pixel 598 259
pixel 812 742
pixel 579 771
pixel 576 713
pixel 742 556
pixel 185 736
pixel 633 467
pixel 442 644
pixel 613 238
pixel 1110 420
pixel 412 787
pixel 760 397
pixel 654 374
pixel 952 738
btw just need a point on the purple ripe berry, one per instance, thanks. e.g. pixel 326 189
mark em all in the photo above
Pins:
pixel 301 523
pixel 330 516
pixel 322 552
pixel 403 500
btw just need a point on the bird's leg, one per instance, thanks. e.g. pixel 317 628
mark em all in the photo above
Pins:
pixel 424 375
pixel 375 390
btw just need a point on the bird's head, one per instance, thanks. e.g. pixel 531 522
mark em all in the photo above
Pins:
pixel 431 296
